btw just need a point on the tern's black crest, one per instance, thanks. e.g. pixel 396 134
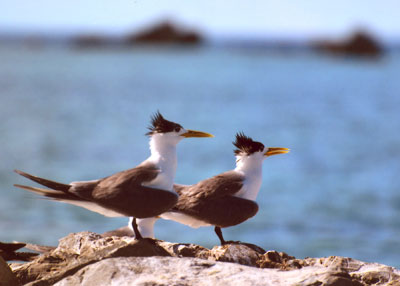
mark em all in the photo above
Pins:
pixel 246 145
pixel 160 125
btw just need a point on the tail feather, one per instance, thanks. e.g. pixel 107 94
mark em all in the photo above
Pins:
pixel 71 199
pixel 56 195
pixel 50 184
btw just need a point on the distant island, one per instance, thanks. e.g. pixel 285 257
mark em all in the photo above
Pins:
pixel 165 33
pixel 162 33
pixel 360 43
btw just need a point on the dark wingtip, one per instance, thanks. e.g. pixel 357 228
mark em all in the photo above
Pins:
pixel 45 182
pixel 19 172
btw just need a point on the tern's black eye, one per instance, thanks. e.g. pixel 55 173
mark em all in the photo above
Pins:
pixel 177 129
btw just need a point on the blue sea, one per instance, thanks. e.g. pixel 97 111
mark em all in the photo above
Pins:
pixel 69 114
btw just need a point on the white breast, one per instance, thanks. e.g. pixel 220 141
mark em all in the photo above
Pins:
pixel 163 181
pixel 250 189
pixel 164 158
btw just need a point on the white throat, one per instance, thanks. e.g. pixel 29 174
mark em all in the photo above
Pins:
pixel 251 168
pixel 163 155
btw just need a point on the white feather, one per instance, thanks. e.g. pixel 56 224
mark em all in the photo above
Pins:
pixel 93 207
pixel 184 219
pixel 163 155
pixel 251 168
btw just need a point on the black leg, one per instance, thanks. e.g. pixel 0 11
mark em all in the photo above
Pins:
pixel 218 231
pixel 136 230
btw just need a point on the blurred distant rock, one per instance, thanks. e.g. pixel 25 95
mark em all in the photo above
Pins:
pixel 359 43
pixel 87 258
pixel 96 41
pixel 165 33
pixel 162 33
pixel 8 251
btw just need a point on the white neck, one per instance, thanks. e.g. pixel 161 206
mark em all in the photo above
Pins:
pixel 248 165
pixel 251 168
pixel 163 155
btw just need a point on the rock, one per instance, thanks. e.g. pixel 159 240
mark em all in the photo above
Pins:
pixel 39 248
pixel 361 273
pixel 7 278
pixel 194 271
pixel 359 44
pixel 274 259
pixel 165 33
pixel 122 231
pixel 185 249
pixel 237 253
pixel 90 259
pixel 173 271
pixel 8 251
pixel 78 250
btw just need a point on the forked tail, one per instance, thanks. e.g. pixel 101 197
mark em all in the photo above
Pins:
pixel 50 184
pixel 56 195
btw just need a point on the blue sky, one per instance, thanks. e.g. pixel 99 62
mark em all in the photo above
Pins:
pixel 287 18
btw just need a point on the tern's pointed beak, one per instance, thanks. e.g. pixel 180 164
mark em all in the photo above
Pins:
pixel 276 150
pixel 193 133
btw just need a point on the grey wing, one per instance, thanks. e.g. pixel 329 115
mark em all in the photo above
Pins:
pixel 225 184
pixel 225 212
pixel 98 189
pixel 213 201
pixel 123 192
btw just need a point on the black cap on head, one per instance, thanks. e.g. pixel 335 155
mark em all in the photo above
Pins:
pixel 246 145
pixel 161 125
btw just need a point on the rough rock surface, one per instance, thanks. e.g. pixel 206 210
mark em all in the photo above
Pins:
pixel 185 271
pixel 89 259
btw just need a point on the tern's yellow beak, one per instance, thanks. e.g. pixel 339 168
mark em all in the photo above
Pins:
pixel 276 150
pixel 193 133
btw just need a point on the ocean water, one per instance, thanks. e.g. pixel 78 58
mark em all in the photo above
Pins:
pixel 73 115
